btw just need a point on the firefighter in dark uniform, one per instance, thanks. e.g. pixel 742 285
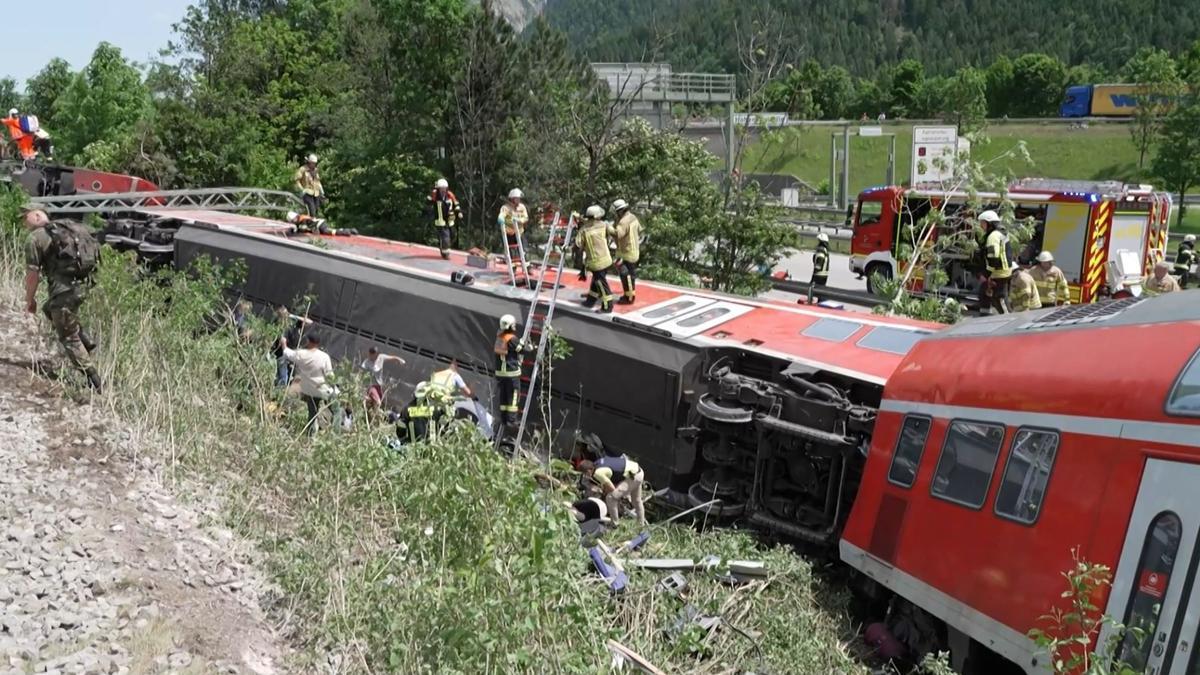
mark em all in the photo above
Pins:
pixel 509 352
pixel 419 419
pixel 820 275
pixel 593 239
pixel 1185 258
pixel 442 206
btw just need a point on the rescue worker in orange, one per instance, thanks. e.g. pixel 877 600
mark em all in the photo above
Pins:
pixel 306 224
pixel 627 231
pixel 1050 280
pixel 308 182
pixel 1023 295
pixel 442 206
pixel 513 218
pixel 593 239
pixel 1160 282
pixel 509 353
pixel 26 134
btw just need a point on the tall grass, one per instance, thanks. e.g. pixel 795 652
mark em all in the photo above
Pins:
pixel 445 558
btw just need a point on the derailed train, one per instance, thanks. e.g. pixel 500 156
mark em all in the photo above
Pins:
pixel 955 470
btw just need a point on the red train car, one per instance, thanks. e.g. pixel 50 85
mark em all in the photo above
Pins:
pixel 1003 443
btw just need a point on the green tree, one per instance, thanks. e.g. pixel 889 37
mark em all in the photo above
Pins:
pixel 1038 81
pixel 907 77
pixel 999 89
pixel 101 106
pixel 835 93
pixel 1177 162
pixel 1189 64
pixel 9 96
pixel 42 90
pixel 1158 85
pixel 965 100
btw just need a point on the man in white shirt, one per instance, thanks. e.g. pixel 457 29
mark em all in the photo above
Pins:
pixel 374 364
pixel 313 365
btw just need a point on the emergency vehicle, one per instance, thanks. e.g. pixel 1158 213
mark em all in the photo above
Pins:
pixel 1005 442
pixel 1084 224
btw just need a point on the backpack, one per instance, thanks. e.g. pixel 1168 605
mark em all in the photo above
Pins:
pixel 74 250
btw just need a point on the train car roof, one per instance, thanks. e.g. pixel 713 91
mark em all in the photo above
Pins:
pixel 1087 366
pixel 860 346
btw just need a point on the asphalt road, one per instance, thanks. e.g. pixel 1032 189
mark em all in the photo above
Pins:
pixel 840 276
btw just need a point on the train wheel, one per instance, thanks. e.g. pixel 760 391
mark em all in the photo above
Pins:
pixel 710 409
pixel 698 495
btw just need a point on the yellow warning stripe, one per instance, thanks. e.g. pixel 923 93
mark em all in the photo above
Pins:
pixel 1095 268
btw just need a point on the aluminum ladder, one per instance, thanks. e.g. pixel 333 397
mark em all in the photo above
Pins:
pixel 209 199
pixel 537 321
pixel 517 249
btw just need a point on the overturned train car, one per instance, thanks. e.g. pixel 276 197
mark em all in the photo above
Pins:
pixel 766 405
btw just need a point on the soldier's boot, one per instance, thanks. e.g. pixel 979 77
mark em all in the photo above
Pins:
pixel 93 379
pixel 88 343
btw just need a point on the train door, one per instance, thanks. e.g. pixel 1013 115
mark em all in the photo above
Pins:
pixel 1154 589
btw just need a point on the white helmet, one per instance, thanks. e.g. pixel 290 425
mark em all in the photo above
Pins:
pixel 312 158
pixel 421 390
pixel 441 184
pixel 508 322
pixel 620 205
pixel 516 193
pixel 595 212
pixel 601 508
pixel 1189 237
pixel 292 216
pixel 13 112
pixel 823 238
pixel 989 216
pixel 1045 256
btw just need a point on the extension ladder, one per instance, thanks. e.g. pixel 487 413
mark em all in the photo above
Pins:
pixel 516 250
pixel 537 321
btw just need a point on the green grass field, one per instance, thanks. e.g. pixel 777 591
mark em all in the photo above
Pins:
pixel 1101 152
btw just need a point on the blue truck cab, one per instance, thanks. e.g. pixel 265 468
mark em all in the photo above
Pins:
pixel 1077 102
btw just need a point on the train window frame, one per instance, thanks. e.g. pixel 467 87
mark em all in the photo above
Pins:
pixel 933 485
pixel 1008 463
pixel 920 454
pixel 1190 371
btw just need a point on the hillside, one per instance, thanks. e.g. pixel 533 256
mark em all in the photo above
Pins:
pixel 863 35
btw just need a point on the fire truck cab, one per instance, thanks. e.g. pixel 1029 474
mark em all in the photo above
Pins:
pixel 1084 224
pixel 1006 446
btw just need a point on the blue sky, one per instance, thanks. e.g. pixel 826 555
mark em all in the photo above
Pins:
pixel 72 29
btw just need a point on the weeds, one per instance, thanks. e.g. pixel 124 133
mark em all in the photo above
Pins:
pixel 444 558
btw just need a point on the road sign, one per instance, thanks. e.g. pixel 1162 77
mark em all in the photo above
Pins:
pixel 870 131
pixel 933 154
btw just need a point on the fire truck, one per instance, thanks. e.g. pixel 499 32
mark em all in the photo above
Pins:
pixel 1006 445
pixel 1105 236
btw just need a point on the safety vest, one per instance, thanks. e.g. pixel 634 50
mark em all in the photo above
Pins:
pixel 628 230
pixel 508 356
pixel 1185 258
pixel 618 465
pixel 821 261
pixel 443 208
pixel 443 381
pixel 513 219
pixel 1024 294
pixel 593 239
pixel 998 255
pixel 1052 286
pixel 420 422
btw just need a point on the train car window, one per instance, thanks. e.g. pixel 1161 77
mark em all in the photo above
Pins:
pixel 891 340
pixel 834 330
pixel 1145 600
pixel 1185 395
pixel 968 459
pixel 1026 474
pixel 909 447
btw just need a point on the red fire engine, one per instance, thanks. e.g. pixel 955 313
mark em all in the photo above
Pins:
pixel 1005 442
pixel 1085 225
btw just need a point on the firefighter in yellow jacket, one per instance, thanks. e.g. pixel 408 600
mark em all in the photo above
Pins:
pixel 1023 294
pixel 593 240
pixel 1050 280
pixel 998 254
pixel 627 230
pixel 509 352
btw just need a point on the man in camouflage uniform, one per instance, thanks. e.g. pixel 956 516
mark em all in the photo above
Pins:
pixel 65 295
